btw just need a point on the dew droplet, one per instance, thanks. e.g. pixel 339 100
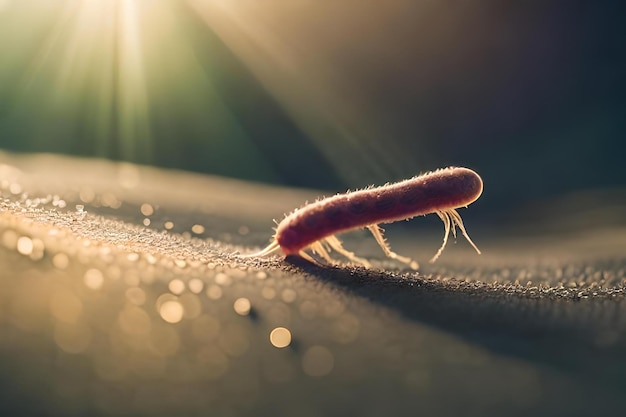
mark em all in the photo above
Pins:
pixel 242 306
pixel 280 337
pixel 171 311
pixel 197 229
pixel 195 285
pixel 147 209
pixel 176 286
pixel 25 245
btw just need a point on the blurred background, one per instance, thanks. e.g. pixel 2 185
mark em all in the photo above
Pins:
pixel 327 95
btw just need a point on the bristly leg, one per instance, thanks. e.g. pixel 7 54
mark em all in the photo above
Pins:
pixel 336 245
pixel 451 219
pixel 456 218
pixel 378 235
pixel 269 249
pixel 319 249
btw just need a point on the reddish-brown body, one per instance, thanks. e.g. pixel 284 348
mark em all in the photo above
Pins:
pixel 439 190
pixel 314 225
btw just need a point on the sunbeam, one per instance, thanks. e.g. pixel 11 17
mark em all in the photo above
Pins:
pixel 118 79
pixel 89 68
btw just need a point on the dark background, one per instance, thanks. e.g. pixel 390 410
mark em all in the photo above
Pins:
pixel 326 95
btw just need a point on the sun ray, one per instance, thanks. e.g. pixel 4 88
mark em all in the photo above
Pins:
pixel 120 79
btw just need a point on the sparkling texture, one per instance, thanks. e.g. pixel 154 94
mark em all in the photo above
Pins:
pixel 102 315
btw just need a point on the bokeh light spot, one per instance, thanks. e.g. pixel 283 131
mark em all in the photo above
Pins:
pixel 147 209
pixel 93 279
pixel 197 229
pixel 60 261
pixel 176 286
pixel 242 306
pixel 195 285
pixel 214 292
pixel 280 337
pixel 172 311
pixel 25 245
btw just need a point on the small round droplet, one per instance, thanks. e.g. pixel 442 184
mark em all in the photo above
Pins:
pixel 195 285
pixel 147 209
pixel 176 286
pixel 25 245
pixel 197 229
pixel 171 311
pixel 242 306
pixel 280 337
